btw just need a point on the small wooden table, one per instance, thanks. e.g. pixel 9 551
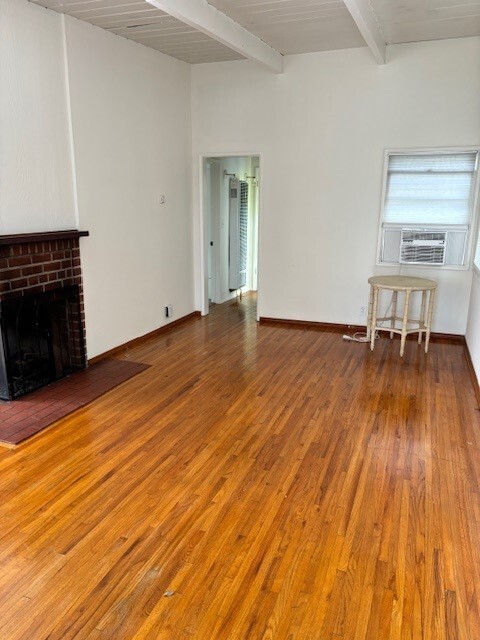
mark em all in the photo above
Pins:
pixel 408 285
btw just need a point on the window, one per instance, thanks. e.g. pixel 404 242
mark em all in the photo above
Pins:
pixel 476 260
pixel 428 207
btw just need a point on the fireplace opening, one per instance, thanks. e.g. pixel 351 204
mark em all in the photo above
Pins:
pixel 41 339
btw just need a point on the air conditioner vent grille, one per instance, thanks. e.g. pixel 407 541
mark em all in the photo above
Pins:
pixel 422 247
pixel 422 254
pixel 411 236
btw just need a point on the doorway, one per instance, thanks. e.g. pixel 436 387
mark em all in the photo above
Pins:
pixel 231 203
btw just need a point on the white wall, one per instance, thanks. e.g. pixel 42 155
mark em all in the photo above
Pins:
pixel 473 326
pixel 132 140
pixel 36 185
pixel 321 129
pixel 128 108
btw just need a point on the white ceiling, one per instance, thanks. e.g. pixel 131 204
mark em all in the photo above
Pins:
pixel 416 20
pixel 289 26
pixel 295 26
pixel 139 21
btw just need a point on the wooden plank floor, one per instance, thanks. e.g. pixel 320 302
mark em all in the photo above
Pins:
pixel 283 484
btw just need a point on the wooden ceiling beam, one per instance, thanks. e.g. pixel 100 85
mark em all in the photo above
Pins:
pixel 205 18
pixel 366 21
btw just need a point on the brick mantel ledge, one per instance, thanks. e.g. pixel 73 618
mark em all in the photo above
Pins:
pixel 21 238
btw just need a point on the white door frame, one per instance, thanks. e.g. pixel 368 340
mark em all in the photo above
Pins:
pixel 203 254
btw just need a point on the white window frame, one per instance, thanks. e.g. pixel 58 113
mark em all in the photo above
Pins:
pixel 472 224
pixel 476 268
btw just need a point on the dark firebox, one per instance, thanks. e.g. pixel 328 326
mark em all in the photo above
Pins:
pixel 41 340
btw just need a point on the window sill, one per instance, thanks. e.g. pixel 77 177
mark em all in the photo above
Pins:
pixel 435 267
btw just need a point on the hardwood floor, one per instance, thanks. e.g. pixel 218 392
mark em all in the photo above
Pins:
pixel 283 484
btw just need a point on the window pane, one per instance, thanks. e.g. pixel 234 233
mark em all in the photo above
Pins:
pixel 449 162
pixel 477 253
pixel 430 189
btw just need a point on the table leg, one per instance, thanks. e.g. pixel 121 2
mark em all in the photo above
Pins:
pixel 431 300
pixel 422 316
pixel 369 318
pixel 394 312
pixel 404 323
pixel 374 318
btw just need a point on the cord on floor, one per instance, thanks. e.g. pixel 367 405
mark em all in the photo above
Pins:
pixel 359 337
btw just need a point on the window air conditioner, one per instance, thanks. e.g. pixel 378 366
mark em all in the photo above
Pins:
pixel 423 247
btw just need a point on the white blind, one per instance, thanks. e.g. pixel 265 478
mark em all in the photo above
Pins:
pixel 430 189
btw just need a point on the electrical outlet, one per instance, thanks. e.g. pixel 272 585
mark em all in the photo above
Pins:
pixel 168 310
pixel 161 199
pixel 363 311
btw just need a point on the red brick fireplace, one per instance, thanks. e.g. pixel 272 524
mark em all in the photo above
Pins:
pixel 41 291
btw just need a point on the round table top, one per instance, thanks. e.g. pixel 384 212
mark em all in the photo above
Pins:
pixel 402 283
